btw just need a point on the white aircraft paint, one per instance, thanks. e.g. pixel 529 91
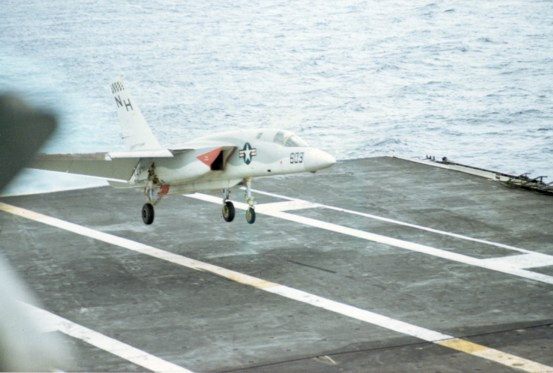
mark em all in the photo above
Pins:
pixel 217 161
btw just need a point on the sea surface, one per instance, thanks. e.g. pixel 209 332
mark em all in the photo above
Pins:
pixel 470 80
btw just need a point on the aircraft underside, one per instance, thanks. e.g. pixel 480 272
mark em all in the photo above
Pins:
pixel 155 193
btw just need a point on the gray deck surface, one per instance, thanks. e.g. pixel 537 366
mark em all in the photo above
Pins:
pixel 207 323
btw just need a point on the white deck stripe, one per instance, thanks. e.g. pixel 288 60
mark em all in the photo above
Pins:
pixel 291 293
pixel 397 222
pixel 534 260
pixel 287 205
pixel 113 346
pixel 407 245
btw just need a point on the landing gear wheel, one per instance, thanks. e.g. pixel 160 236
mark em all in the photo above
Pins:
pixel 228 211
pixel 250 215
pixel 148 213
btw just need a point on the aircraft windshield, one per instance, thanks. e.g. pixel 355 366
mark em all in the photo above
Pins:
pixel 279 138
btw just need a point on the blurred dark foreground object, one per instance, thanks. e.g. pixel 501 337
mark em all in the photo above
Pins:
pixel 23 129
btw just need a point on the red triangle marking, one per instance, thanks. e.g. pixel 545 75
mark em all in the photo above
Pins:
pixel 209 157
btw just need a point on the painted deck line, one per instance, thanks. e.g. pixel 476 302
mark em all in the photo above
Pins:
pixel 397 222
pixel 407 245
pixel 285 206
pixel 369 317
pixel 533 260
pixel 101 341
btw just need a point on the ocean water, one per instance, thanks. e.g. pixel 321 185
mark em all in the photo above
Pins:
pixel 472 81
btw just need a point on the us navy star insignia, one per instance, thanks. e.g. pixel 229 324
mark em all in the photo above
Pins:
pixel 247 153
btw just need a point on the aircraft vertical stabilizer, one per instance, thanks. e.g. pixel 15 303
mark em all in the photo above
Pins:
pixel 137 135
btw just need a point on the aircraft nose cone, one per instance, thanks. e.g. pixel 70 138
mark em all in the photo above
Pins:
pixel 327 160
pixel 318 159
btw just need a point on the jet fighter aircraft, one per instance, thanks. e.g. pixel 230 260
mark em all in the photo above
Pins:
pixel 217 161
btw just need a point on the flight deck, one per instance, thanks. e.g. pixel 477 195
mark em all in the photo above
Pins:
pixel 374 265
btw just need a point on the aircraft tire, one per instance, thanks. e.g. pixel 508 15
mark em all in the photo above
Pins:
pixel 228 211
pixel 250 215
pixel 148 213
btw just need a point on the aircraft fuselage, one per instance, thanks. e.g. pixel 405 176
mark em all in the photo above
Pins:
pixel 250 153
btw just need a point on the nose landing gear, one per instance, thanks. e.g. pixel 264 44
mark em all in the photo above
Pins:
pixel 250 212
pixel 250 215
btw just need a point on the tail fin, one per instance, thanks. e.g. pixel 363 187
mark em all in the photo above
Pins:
pixel 136 133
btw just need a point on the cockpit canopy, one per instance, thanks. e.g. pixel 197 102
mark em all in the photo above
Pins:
pixel 288 139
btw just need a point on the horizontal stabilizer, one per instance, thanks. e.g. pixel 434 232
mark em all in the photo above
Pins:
pixel 92 164
pixel 161 153
pixel 121 166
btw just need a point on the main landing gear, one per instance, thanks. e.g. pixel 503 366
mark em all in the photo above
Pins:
pixel 148 212
pixel 228 207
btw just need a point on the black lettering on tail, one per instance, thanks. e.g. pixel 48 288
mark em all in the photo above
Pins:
pixel 128 104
